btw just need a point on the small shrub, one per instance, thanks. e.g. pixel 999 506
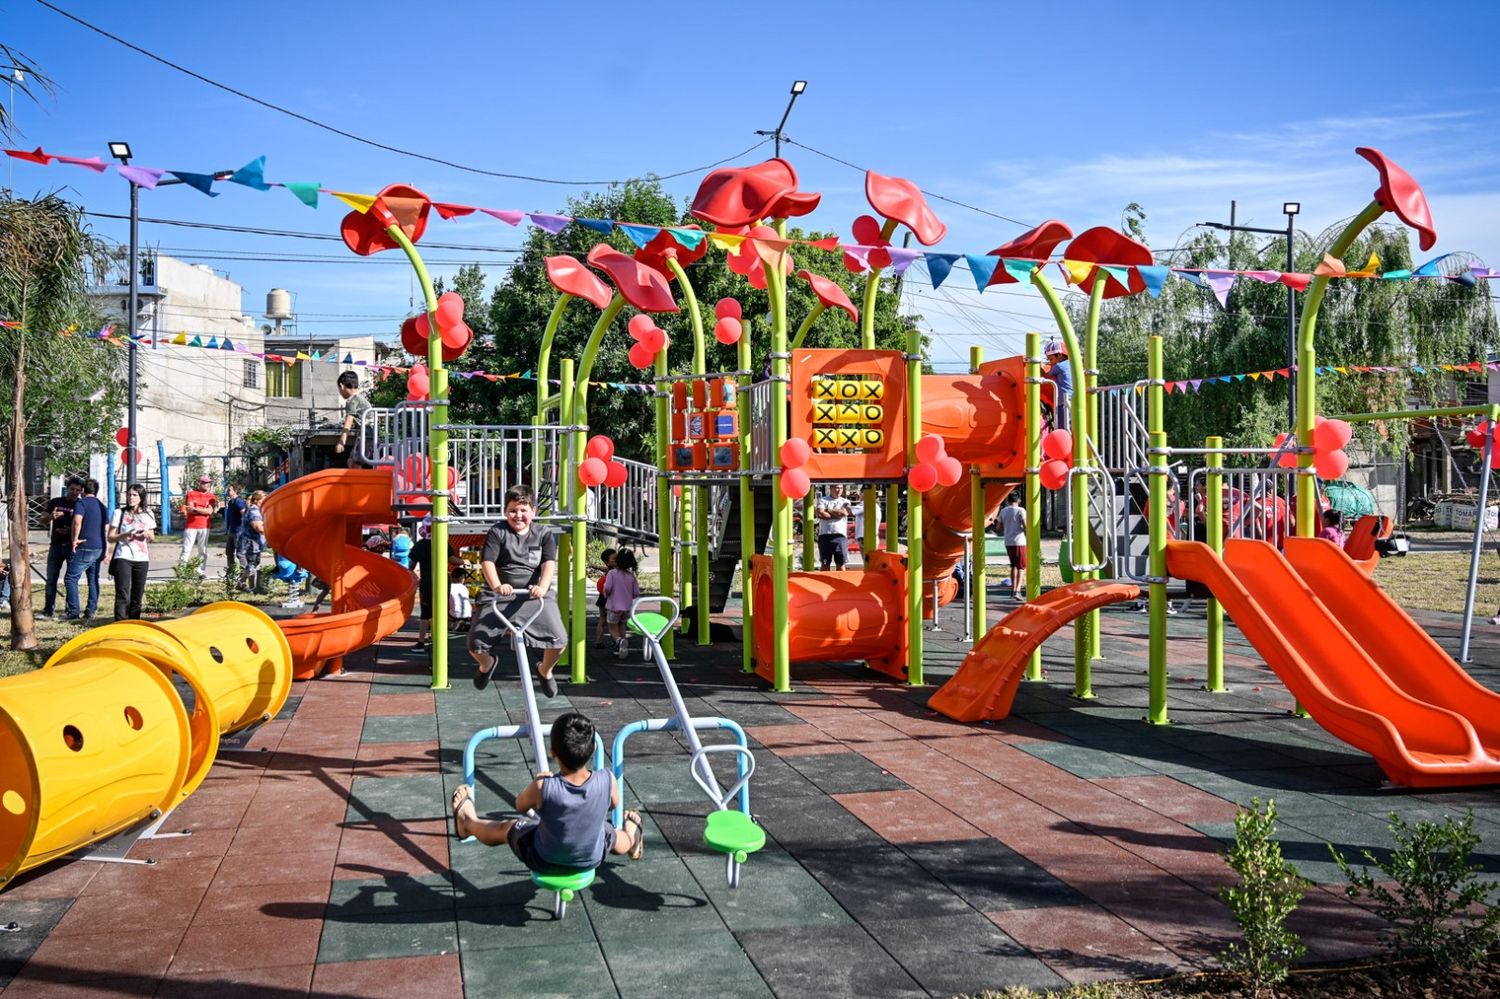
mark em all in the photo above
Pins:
pixel 1269 890
pixel 176 594
pixel 1440 908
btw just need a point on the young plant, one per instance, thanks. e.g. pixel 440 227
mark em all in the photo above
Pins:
pixel 177 593
pixel 1440 907
pixel 1269 891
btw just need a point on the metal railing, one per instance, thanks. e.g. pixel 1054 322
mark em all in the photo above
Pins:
pixel 762 458
pixel 1123 437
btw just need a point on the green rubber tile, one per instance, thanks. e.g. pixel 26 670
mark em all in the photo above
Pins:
pixel 840 773
pixel 399 728
pixel 525 920
pixel 34 919
pixel 406 798
pixel 546 971
pixel 664 917
pixel 657 873
pixel 401 934
pixel 696 964
pixel 391 895
pixel 775 892
pixel 660 783
pixel 1083 761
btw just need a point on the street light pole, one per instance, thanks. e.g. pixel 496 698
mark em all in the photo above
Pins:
pixel 797 87
pixel 1291 209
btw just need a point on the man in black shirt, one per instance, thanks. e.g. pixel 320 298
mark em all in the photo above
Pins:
pixel 60 515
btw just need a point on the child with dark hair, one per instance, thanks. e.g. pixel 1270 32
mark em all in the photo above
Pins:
pixel 1333 527
pixel 621 589
pixel 607 560
pixel 564 820
pixel 519 563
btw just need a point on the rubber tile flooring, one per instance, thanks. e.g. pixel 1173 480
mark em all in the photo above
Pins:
pixel 906 855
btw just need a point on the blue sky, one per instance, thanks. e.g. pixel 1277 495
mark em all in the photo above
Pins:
pixel 1029 112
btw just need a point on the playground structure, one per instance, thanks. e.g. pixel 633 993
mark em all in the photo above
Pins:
pixel 123 723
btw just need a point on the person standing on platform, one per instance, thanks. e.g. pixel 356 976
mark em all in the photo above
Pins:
pixel 1060 370
pixel 355 405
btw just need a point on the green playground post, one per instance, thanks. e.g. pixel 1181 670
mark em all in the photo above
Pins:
pixel 871 538
pixel 664 525
pixel 685 549
pixel 1090 382
pixel 437 456
pixel 914 503
pixel 809 540
pixel 747 501
pixel 1032 484
pixel 1214 531
pixel 978 570
pixel 543 378
pixel 700 492
pixel 781 510
pixel 1157 523
pixel 1083 643
pixel 567 464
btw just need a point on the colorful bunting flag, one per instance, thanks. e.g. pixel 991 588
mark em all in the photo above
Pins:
pixel 982 266
pixel 252 174
pixel 939 266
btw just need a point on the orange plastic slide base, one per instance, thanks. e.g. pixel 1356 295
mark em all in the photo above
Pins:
pixel 985 685
pixel 1330 672
pixel 312 521
pixel 835 616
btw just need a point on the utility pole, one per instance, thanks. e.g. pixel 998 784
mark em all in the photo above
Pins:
pixel 797 87
pixel 1291 210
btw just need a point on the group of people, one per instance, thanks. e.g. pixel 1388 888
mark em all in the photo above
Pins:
pixel 79 527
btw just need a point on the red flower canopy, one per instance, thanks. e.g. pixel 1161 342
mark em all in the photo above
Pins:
pixel 663 247
pixel 1103 245
pixel 830 293
pixel 900 199
pixel 639 285
pixel 1400 194
pixel 365 232
pixel 569 276
pixel 743 196
pixel 1037 244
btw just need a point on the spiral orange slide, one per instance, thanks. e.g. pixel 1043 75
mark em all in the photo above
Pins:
pixel 315 521
pixel 1353 658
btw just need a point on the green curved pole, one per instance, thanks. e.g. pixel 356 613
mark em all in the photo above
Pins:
pixel 665 549
pixel 577 628
pixel 437 451
pixel 700 493
pixel 1033 486
pixel 1307 375
pixel 809 547
pixel 747 503
pixel 1156 595
pixel 1090 382
pixel 1082 643
pixel 543 379
pixel 807 324
pixel 781 511
pixel 867 342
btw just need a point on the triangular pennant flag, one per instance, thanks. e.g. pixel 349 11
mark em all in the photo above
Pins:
pixel 1155 276
pixel 349 359
pixel 1182 388
pixel 227 344
pixel 179 340
pixel 549 223
pixel 449 210
pixel 1120 275
pixel 333 357
pixel 1330 268
pixel 902 259
pixel 252 174
pixel 726 241
pixel 1465 278
pixel 598 225
pixel 359 202
pixel 213 343
pixel 1169 386
pixel 317 355
pixel 982 267
pixel 1370 269
pixel 688 239
pixel 508 217
pixel 1019 269
pixel 306 193
pixel 197 181
pixel 1220 285
pixel 1270 375
pixel 1078 271
pixel 93 163
pixel 1296 282
pixel 303 356
pixel 196 341
pixel 1240 378
pixel 37 156
pixel 860 255
pixel 1269 277
pixel 1192 277
pixel 640 235
pixel 1397 275
pixel 827 243
pixel 939 266
pixel 1197 384
pixel 147 177
pixel 1255 376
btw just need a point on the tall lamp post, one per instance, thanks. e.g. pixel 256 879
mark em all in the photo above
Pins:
pixel 121 152
pixel 797 87
pixel 1291 210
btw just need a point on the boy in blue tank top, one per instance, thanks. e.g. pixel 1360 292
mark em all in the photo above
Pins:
pixel 564 821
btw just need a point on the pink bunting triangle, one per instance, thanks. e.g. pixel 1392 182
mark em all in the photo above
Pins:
pixel 508 217
pixel 93 163
pixel 1269 277
pixel 451 211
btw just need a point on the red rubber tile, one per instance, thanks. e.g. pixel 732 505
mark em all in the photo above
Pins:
pixel 107 988
pixel 398 759
pixel 907 817
pixel 256 941
pixel 1334 928
pixel 1170 797
pixel 63 880
pixel 413 848
pixel 130 911
pixel 244 983
pixel 1086 943
pixel 795 740
pixel 201 844
pixel 166 877
pixel 280 866
pixel 401 704
pixel 392 978
pixel 94 956
pixel 303 811
pixel 230 903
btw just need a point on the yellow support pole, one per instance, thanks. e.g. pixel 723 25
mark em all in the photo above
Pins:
pixel 1213 517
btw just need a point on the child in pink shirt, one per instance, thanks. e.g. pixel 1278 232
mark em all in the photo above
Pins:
pixel 620 591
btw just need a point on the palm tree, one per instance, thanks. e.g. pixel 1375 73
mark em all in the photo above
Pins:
pixel 32 82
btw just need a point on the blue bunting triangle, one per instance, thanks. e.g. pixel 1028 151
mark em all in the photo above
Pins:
pixel 226 344
pixel 939 266
pixel 1019 269
pixel 640 235
pixel 348 358
pixel 982 267
pixel 213 343
pixel 1155 277
pixel 317 355
pixel 598 225
pixel 1120 275
pixel 252 174
pixel 690 239
pixel 198 181
pixel 306 193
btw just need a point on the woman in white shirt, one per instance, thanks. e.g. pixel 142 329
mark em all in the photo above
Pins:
pixel 130 532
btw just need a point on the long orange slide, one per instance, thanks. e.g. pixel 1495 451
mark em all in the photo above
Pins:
pixel 985 685
pixel 315 521
pixel 1331 673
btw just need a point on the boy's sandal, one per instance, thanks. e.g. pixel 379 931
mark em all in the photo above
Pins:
pixel 637 838
pixel 461 794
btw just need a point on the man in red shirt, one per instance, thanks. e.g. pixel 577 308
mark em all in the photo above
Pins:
pixel 198 507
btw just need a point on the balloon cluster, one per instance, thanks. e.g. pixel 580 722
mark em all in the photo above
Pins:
pixel 455 333
pixel 1057 459
pixel 728 329
pixel 934 467
pixel 795 482
pixel 650 340
pixel 1477 436
pixel 599 464
pixel 417 474
pixel 122 436
pixel 1329 437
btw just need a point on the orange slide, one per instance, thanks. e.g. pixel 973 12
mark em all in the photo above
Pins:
pixel 1301 633
pixel 315 522
pixel 986 681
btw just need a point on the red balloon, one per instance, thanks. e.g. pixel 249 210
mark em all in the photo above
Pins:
pixel 639 324
pixel 930 448
pixel 949 470
pixel 1475 438
pixel 122 437
pixel 795 452
pixel 600 447
pixel 1054 474
pixel 1331 464
pixel 1059 445
pixel 728 308
pixel 1330 435
pixel 450 310
pixel 1288 458
pixel 922 477
pixel 1495 458
pixel 654 339
pixel 125 456
pixel 641 357
pixel 424 330
pixel 592 471
pixel 456 340
pixel 728 330
pixel 615 475
pixel 794 483
pixel 418 383
pixel 411 340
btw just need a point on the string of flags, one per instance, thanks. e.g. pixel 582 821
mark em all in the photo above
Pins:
pixel 1187 386
pixel 981 266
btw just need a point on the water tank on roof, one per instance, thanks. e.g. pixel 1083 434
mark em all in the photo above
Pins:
pixel 278 304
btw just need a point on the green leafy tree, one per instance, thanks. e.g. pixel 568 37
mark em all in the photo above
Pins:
pixel 65 392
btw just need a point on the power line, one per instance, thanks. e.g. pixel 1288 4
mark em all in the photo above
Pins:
pixel 371 142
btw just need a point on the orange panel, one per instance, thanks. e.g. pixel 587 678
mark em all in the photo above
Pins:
pixel 888 461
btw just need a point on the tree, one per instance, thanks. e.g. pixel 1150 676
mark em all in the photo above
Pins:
pixel 64 390
pixel 1362 322
pixel 33 83
pixel 508 327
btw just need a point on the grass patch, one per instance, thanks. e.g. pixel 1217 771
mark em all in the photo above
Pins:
pixel 1437 580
